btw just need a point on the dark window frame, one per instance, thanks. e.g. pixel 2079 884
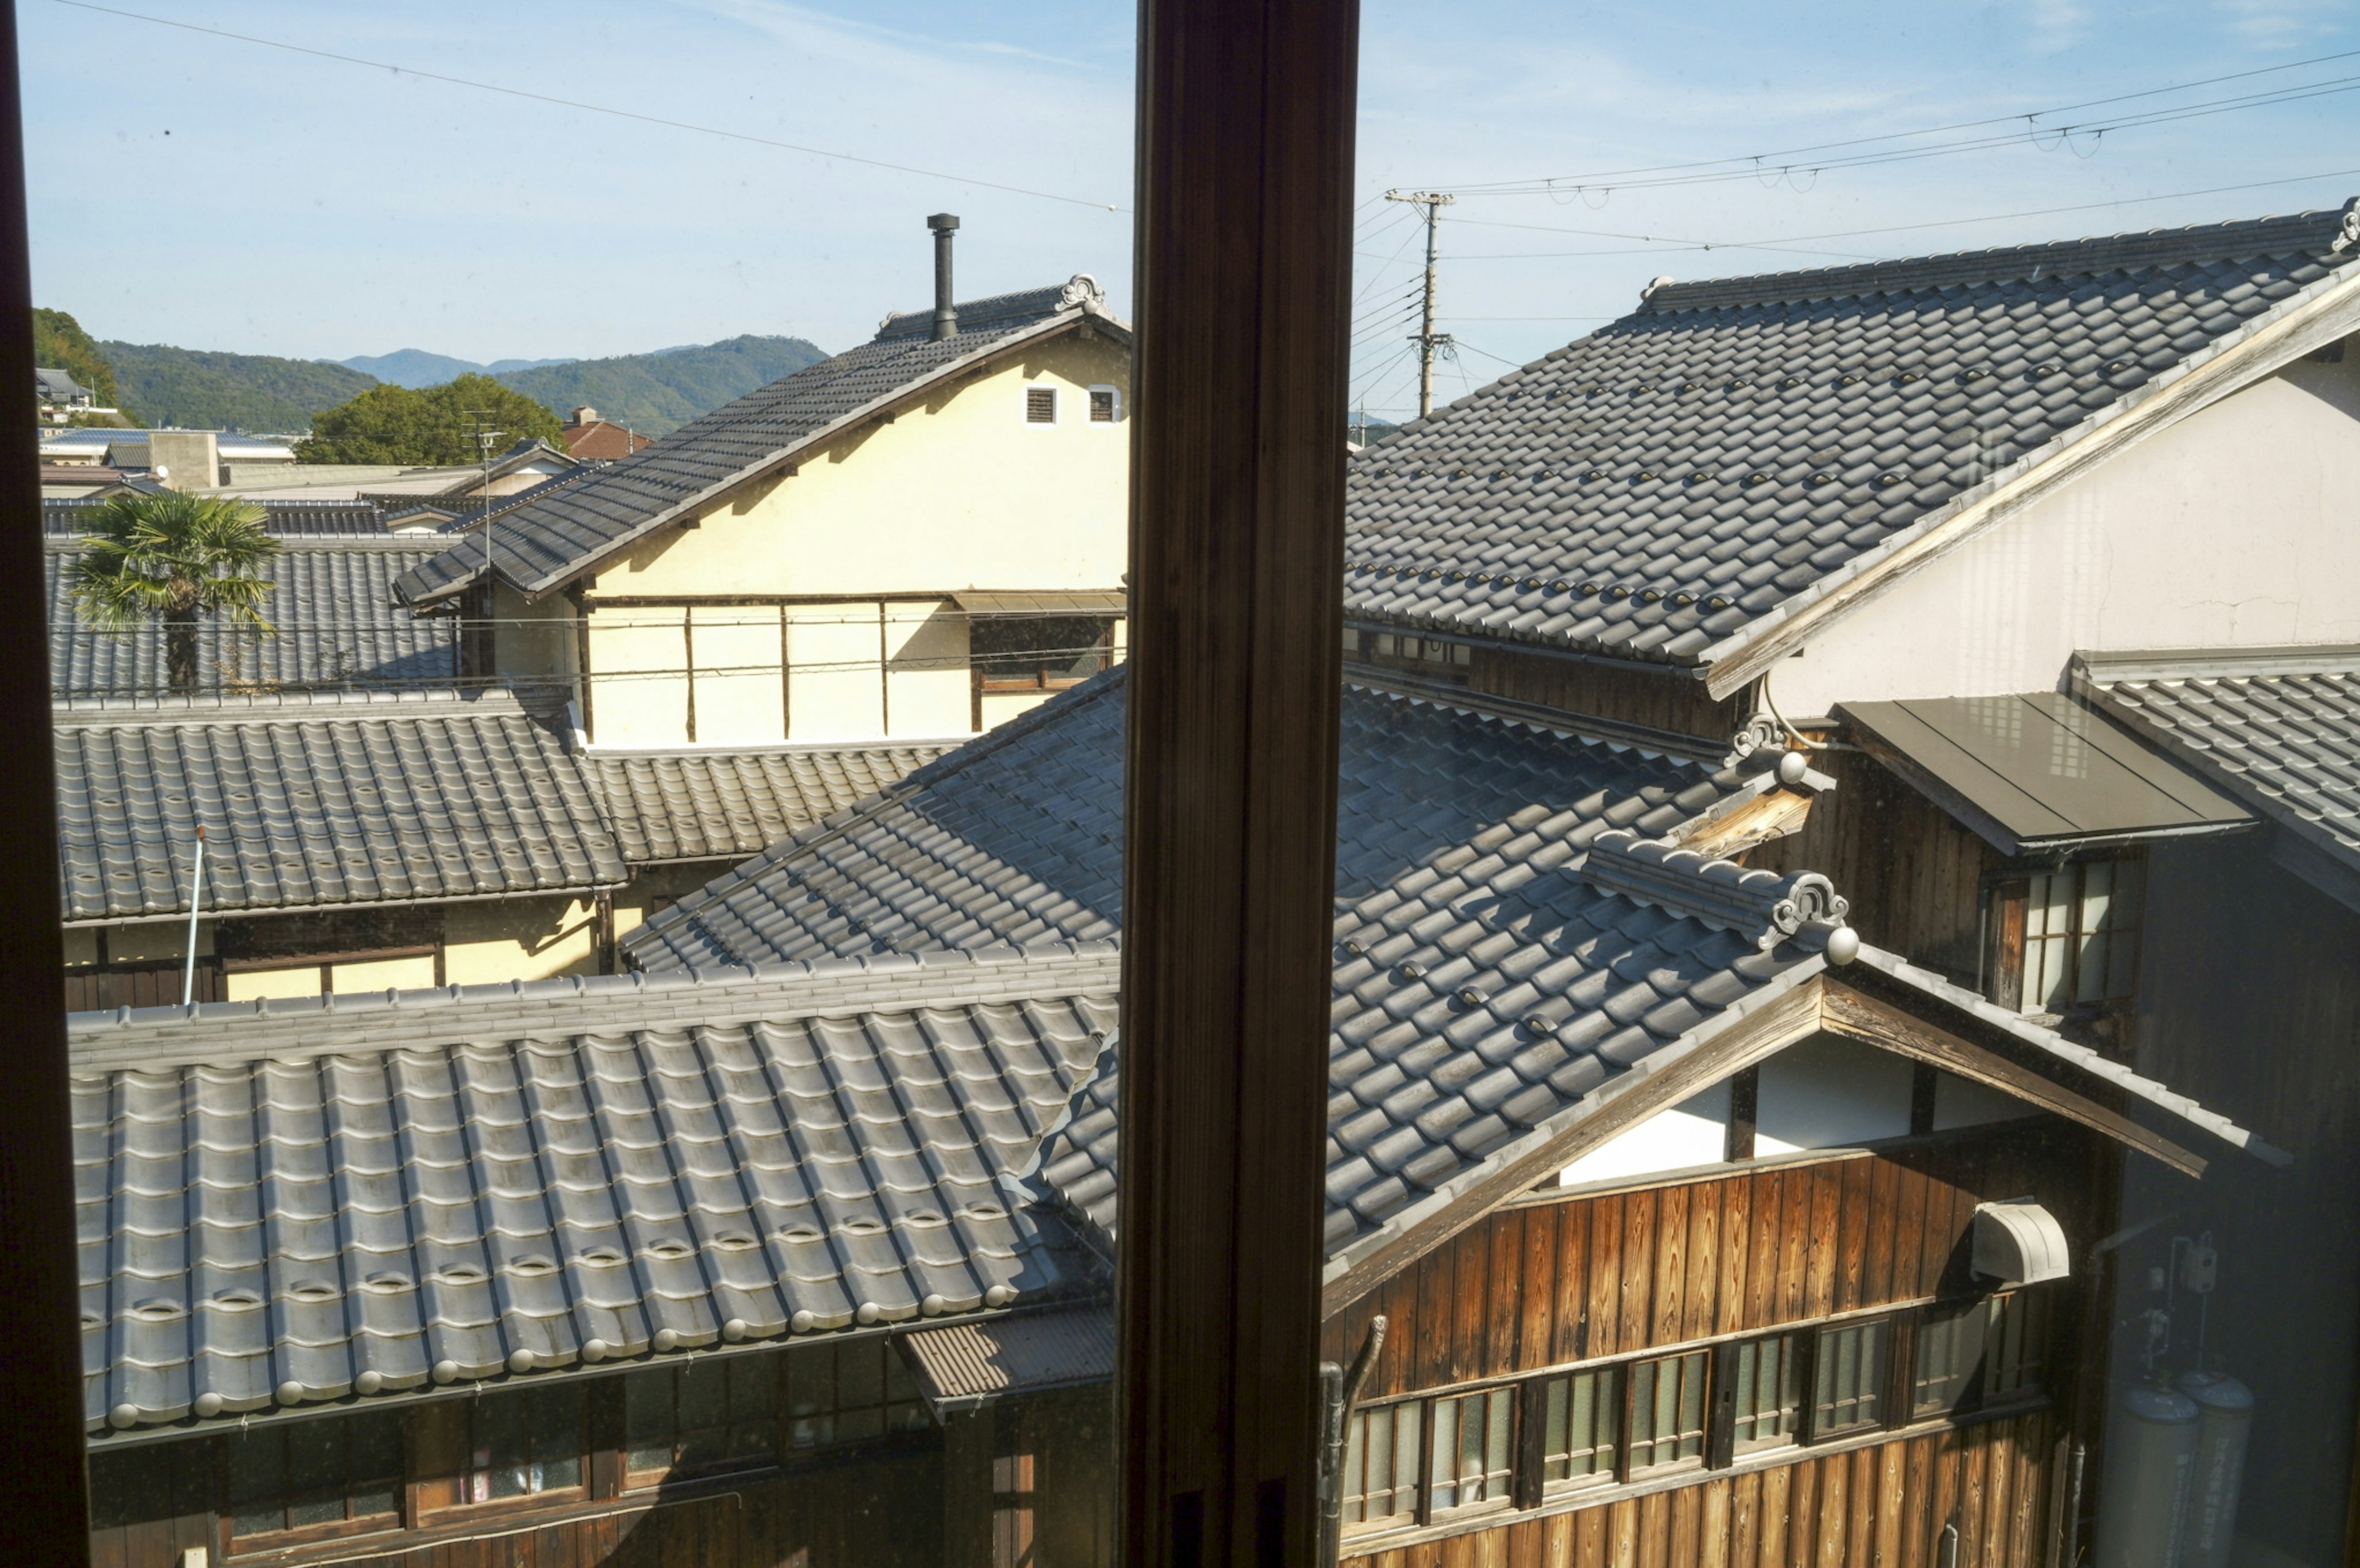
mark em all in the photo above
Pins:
pixel 246 1543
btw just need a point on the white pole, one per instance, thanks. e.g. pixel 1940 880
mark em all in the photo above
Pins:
pixel 196 896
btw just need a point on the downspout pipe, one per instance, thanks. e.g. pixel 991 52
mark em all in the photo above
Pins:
pixel 944 224
pixel 1340 1390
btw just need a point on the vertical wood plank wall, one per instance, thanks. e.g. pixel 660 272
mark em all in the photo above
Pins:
pixel 1673 700
pixel 1883 1507
pixel 1914 875
pixel 1547 1283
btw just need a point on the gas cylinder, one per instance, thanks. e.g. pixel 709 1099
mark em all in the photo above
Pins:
pixel 2150 1468
pixel 2224 1420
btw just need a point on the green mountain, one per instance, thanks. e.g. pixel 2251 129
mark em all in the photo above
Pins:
pixel 206 390
pixel 658 393
pixel 59 343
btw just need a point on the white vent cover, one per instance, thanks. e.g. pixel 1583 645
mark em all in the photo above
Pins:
pixel 2019 1243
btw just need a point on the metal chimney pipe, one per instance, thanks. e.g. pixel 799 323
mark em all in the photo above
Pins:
pixel 945 225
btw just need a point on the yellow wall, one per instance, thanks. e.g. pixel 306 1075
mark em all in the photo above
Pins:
pixel 518 939
pixel 957 492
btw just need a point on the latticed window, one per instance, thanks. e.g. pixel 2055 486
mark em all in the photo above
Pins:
pixel 1766 1398
pixel 699 1419
pixel 1848 1384
pixel 1381 1462
pixel 1581 1417
pixel 1039 405
pixel 849 1393
pixel 1474 1456
pixel 1980 1354
pixel 310 1475
pixel 2080 934
pixel 1667 1410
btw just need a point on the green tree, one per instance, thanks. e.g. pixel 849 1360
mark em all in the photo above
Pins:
pixel 434 425
pixel 59 343
pixel 173 557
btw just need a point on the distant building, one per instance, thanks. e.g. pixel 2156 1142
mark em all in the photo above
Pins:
pixel 61 395
pixel 197 459
pixel 590 437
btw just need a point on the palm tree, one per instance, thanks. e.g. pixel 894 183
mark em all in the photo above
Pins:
pixel 173 557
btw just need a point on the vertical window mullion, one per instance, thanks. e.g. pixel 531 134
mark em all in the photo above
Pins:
pixel 1720 1421
pixel 1530 1429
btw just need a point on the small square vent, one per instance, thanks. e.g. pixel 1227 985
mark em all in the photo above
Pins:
pixel 1039 405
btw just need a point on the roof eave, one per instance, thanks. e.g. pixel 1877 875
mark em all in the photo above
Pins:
pixel 2328 310
pixel 907 392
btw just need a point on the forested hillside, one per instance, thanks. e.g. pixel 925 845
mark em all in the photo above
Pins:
pixel 658 393
pixel 204 389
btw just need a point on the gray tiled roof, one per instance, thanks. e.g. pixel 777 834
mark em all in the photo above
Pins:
pixel 1662 485
pixel 338 626
pixel 698 805
pixel 1017 837
pixel 290 1203
pixel 2279 728
pixel 317 802
pixel 283 519
pixel 541 545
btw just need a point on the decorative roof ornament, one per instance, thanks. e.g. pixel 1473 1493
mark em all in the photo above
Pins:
pixel 1649 291
pixel 1081 290
pixel 2348 236
pixel 1764 906
pixel 1763 731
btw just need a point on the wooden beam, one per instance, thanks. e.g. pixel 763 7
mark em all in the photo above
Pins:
pixel 1623 1105
pixel 1242 248
pixel 1858 1015
pixel 44 1507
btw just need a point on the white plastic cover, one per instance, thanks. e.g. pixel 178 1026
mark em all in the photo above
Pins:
pixel 2019 1243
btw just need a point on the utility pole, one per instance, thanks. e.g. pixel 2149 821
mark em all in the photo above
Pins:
pixel 484 439
pixel 1427 339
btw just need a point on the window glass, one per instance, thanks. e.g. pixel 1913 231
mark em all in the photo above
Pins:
pixel 850 1392
pixel 1471 1447
pixel 525 1444
pixel 1768 1398
pixel 2082 934
pixel 1948 1356
pixel 1581 1416
pixel 1038 652
pixel 1381 1462
pixel 1667 1410
pixel 2015 1344
pixel 1849 1381
pixel 691 1419
pixel 304 1474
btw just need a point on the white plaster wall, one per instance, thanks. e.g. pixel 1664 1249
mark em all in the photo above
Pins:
pixel 2238 526
pixel 1694 1132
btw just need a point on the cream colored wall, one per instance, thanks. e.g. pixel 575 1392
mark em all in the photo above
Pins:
pixel 146 940
pixel 2238 526
pixel 518 939
pixel 958 493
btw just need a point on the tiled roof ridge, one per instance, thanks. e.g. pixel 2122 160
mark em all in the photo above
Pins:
pixel 2318 231
pixel 285 706
pixel 1049 298
pixel 1763 906
pixel 2142 666
pixel 1033 1182
pixel 294 1028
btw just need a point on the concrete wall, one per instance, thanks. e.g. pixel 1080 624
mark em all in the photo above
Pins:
pixel 2238 526
pixel 843 631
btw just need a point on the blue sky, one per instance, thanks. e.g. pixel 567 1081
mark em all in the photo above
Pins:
pixel 214 193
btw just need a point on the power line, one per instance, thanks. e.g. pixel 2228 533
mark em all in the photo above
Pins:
pixel 1895 228
pixel 2063 134
pixel 596 108
pixel 1427 339
pixel 1503 187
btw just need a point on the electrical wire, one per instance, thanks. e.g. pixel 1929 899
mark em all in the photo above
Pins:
pixel 597 108
pixel 1502 187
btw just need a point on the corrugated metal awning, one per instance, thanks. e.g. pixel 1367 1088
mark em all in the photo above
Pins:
pixel 2038 771
pixel 1043 602
pixel 965 1366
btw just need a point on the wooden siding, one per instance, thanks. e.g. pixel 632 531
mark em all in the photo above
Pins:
pixel 1663 699
pixel 1541 1284
pixel 1914 875
pixel 1883 1506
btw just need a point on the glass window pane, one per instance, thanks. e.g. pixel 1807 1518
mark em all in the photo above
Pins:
pixel 1851 1378
pixel 1949 1357
pixel 1667 1405
pixel 647 1409
pixel 1768 1396
pixel 1582 1412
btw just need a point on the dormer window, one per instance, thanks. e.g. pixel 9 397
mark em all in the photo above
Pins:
pixel 1039 405
pixel 2068 938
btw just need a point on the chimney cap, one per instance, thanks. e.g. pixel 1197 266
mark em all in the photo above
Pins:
pixel 942 222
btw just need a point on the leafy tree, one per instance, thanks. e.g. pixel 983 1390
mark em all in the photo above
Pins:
pixel 431 426
pixel 173 557
pixel 59 342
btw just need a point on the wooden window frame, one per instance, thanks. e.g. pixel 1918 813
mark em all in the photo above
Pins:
pixel 2007 902
pixel 424 1513
pixel 628 1481
pixel 255 1543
